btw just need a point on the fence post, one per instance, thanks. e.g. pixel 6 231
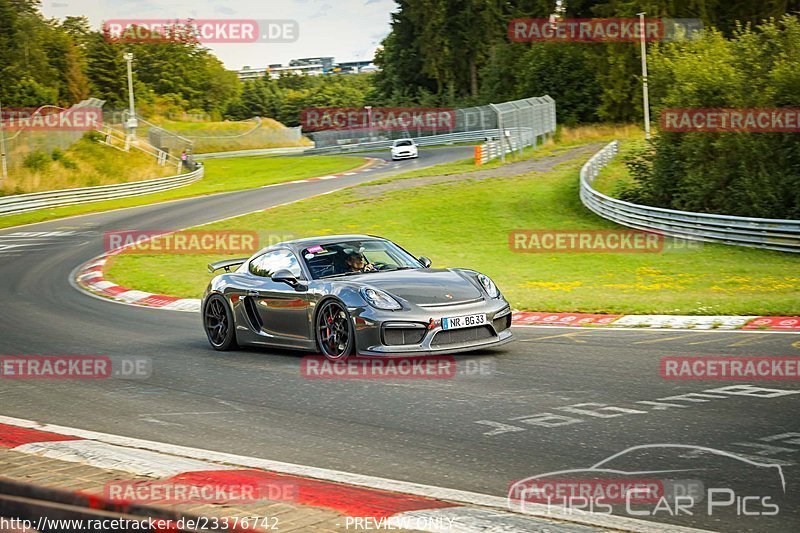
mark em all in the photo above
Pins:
pixel 502 132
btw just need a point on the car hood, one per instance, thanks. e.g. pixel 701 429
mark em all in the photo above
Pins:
pixel 425 286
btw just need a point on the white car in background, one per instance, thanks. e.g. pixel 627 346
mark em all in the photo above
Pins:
pixel 404 149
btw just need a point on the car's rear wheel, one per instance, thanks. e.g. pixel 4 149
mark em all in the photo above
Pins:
pixel 219 325
pixel 335 337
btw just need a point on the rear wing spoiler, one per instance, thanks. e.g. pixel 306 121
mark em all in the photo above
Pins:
pixel 227 264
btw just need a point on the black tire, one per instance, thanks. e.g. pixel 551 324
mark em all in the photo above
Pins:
pixel 334 331
pixel 218 323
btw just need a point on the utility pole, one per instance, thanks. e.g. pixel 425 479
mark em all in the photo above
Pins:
pixel 645 87
pixel 131 123
pixel 3 164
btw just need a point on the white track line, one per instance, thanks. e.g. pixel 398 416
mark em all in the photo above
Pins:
pixel 439 493
pixel 112 457
pixel 650 330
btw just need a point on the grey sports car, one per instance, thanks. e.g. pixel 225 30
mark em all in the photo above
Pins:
pixel 351 294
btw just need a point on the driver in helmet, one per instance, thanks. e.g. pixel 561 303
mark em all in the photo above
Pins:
pixel 355 262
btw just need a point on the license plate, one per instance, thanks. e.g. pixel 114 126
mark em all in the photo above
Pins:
pixel 466 321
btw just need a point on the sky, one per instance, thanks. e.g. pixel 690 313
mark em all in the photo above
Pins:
pixel 349 30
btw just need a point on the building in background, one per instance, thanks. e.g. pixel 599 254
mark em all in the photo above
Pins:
pixel 309 66
pixel 308 70
pixel 351 67
pixel 248 73
pixel 326 62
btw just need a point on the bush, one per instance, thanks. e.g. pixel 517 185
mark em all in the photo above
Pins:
pixel 94 136
pixel 68 163
pixel 640 166
pixel 36 161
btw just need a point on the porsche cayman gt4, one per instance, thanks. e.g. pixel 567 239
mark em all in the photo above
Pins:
pixel 351 295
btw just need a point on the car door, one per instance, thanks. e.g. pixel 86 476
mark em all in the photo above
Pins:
pixel 281 309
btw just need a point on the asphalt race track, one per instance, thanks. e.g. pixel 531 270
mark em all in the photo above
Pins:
pixel 555 399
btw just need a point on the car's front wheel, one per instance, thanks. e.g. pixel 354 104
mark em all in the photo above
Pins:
pixel 335 337
pixel 219 325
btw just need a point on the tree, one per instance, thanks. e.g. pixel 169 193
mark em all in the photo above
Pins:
pixel 745 174
pixel 106 70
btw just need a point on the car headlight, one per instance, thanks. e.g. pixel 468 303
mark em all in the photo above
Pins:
pixel 380 299
pixel 489 286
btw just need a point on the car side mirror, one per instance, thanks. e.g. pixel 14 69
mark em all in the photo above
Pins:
pixel 285 276
pixel 425 261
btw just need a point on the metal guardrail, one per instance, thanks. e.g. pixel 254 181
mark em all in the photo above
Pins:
pixel 115 138
pixel 522 122
pixel 21 203
pixel 516 140
pixel 770 234
pixel 486 152
pixel 430 140
pixel 255 152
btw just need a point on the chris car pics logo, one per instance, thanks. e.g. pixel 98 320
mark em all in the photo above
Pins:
pixel 657 480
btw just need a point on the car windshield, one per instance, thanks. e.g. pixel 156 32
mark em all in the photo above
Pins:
pixel 403 143
pixel 356 257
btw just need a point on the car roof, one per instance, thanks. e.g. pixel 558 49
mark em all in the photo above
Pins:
pixel 404 139
pixel 298 245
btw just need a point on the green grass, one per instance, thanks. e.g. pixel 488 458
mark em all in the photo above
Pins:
pixel 85 163
pixel 229 136
pixel 615 175
pixel 549 148
pixel 182 127
pixel 225 127
pixel 221 175
pixel 467 223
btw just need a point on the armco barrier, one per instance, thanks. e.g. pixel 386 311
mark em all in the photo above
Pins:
pixel 486 152
pixel 430 140
pixel 770 234
pixel 39 200
pixel 515 140
pixel 289 150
